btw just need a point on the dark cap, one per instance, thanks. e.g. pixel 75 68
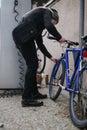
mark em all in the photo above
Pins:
pixel 55 14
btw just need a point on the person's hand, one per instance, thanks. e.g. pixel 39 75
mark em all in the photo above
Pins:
pixel 62 40
pixel 53 59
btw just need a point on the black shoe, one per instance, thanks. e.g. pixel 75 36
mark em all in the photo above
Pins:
pixel 39 96
pixel 31 103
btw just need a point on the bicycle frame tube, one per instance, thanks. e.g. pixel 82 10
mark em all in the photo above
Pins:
pixel 58 63
pixel 76 71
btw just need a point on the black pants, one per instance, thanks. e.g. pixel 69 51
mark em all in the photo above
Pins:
pixel 29 53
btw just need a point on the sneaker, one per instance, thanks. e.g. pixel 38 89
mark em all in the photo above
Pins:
pixel 39 96
pixel 31 103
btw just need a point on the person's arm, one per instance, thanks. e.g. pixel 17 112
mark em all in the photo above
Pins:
pixel 62 40
pixel 42 47
pixel 49 26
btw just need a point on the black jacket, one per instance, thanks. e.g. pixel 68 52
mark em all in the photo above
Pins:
pixel 32 25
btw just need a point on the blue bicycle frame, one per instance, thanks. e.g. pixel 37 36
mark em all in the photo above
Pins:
pixel 77 70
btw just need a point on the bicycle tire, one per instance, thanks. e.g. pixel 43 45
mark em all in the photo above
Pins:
pixel 41 59
pixel 76 106
pixel 57 75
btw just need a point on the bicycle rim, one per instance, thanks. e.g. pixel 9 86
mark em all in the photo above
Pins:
pixel 78 102
pixel 57 77
pixel 41 61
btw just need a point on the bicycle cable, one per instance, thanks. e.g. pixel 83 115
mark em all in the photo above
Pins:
pixel 20 60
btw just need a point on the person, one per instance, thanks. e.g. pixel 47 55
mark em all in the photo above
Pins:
pixel 26 35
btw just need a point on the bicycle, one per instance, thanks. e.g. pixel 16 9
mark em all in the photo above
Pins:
pixel 75 84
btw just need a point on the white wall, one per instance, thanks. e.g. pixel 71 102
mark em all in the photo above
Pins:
pixel 9 65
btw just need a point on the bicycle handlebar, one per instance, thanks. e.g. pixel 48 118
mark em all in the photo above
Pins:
pixel 70 43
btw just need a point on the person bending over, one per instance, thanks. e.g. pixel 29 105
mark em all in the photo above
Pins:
pixel 25 35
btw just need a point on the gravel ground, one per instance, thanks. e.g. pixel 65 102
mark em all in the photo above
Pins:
pixel 51 116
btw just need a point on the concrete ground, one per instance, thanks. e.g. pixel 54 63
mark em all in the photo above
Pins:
pixel 51 116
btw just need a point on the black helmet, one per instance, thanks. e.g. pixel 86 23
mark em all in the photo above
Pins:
pixel 55 14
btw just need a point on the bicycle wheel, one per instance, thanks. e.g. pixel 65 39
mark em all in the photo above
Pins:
pixel 41 61
pixel 57 78
pixel 78 102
